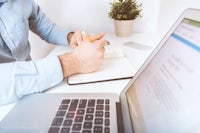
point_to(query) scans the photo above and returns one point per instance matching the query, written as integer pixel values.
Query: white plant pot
(123, 28)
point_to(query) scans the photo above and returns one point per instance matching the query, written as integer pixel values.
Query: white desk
(101, 87)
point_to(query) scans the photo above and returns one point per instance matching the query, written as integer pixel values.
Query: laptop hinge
(120, 123)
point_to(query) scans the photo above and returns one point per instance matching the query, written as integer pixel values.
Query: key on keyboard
(82, 115)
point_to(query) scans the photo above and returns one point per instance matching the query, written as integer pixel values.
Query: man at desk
(19, 75)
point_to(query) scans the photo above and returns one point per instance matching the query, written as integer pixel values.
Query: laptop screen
(166, 95)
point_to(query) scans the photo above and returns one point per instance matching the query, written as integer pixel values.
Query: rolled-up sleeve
(18, 79)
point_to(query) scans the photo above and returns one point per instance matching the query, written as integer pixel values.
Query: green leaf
(125, 10)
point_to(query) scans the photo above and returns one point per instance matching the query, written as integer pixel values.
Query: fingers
(79, 37)
(102, 43)
(76, 39)
(97, 36)
(92, 38)
(96, 39)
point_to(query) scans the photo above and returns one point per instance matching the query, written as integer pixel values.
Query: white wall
(89, 15)
(170, 11)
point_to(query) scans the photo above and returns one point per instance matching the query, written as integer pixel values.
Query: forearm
(22, 78)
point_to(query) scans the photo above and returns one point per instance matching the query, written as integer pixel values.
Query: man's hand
(85, 58)
(78, 36)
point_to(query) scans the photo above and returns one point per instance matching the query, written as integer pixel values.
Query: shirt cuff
(51, 70)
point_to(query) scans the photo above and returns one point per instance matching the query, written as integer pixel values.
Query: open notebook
(115, 66)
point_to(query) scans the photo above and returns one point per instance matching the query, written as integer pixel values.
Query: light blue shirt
(19, 75)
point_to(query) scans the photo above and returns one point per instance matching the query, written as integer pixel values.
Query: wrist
(68, 64)
(69, 36)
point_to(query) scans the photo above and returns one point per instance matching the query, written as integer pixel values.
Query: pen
(89, 38)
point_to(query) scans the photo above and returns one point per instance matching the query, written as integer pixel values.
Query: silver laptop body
(163, 96)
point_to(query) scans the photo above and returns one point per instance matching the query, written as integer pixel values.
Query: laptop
(162, 97)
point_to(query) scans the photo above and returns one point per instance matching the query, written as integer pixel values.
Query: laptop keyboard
(82, 116)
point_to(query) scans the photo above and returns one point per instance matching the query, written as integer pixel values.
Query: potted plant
(124, 12)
